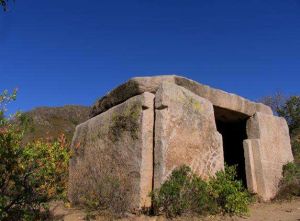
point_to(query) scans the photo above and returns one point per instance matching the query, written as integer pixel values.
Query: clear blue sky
(72, 52)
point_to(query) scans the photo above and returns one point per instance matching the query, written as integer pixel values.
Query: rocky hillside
(51, 122)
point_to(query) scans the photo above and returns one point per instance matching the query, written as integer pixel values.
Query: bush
(185, 192)
(182, 192)
(291, 112)
(295, 143)
(289, 185)
(31, 175)
(230, 194)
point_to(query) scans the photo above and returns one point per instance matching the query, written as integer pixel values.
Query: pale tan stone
(223, 99)
(185, 134)
(180, 130)
(255, 174)
(118, 145)
(129, 89)
(142, 84)
(267, 149)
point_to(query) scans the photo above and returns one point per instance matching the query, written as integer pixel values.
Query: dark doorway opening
(232, 126)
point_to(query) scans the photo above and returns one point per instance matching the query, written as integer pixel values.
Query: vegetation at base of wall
(289, 185)
(108, 194)
(230, 194)
(184, 192)
(31, 174)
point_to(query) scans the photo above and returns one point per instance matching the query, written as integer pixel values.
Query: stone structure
(140, 131)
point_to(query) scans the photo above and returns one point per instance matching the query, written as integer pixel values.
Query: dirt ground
(275, 211)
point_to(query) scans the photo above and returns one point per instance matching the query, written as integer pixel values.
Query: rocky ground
(274, 211)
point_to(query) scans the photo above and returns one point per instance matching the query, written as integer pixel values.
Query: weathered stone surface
(115, 146)
(223, 99)
(267, 149)
(126, 133)
(185, 133)
(129, 89)
(139, 85)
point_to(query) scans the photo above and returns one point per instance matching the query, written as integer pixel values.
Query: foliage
(4, 4)
(291, 172)
(295, 142)
(6, 98)
(26, 121)
(290, 184)
(229, 193)
(291, 112)
(31, 175)
(287, 107)
(275, 101)
(182, 192)
(185, 192)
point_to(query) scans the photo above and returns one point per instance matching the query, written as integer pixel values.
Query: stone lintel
(139, 85)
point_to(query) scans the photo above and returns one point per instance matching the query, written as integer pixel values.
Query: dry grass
(102, 188)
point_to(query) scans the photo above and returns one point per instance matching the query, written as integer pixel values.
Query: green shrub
(6, 98)
(230, 194)
(290, 183)
(31, 175)
(182, 192)
(185, 192)
(296, 148)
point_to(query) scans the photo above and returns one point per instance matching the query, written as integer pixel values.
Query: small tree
(291, 112)
(30, 175)
(275, 101)
(287, 107)
(6, 98)
(3, 3)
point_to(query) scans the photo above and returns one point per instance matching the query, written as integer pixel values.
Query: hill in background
(51, 122)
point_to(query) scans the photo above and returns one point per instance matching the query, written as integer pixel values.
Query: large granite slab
(140, 85)
(185, 134)
(115, 150)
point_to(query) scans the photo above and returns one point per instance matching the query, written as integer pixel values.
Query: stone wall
(185, 134)
(140, 131)
(116, 147)
(266, 150)
(140, 85)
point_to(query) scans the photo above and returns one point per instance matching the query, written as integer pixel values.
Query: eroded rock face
(139, 85)
(267, 149)
(185, 134)
(115, 149)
